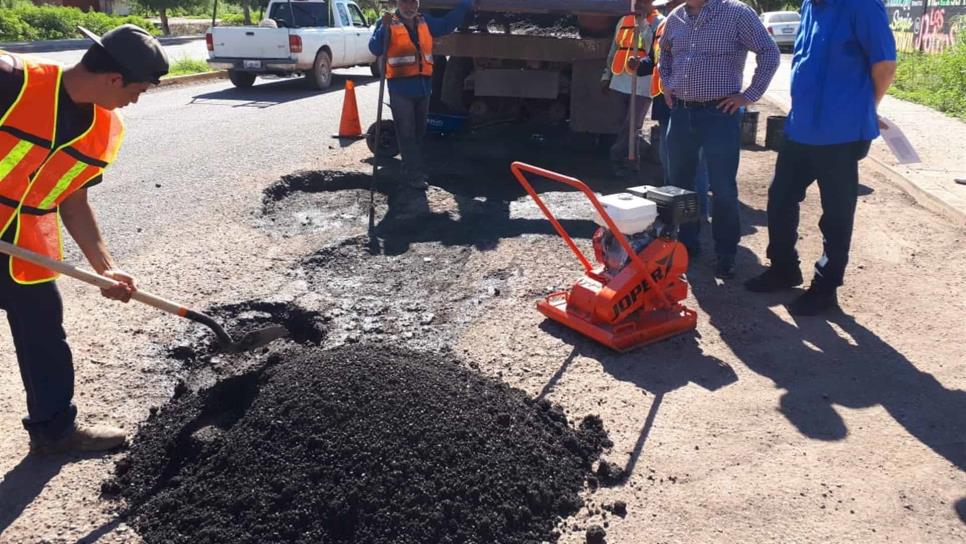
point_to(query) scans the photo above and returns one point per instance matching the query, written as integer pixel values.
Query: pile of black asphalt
(361, 443)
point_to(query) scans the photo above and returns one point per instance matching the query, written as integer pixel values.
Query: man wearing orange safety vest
(622, 66)
(409, 71)
(58, 132)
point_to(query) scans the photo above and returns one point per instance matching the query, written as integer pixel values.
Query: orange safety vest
(624, 38)
(403, 58)
(657, 86)
(35, 177)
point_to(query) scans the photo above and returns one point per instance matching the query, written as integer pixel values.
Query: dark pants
(716, 135)
(36, 316)
(836, 168)
(409, 115)
(620, 149)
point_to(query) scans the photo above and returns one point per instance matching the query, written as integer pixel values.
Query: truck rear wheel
(242, 80)
(321, 76)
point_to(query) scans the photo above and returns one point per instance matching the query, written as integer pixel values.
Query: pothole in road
(198, 346)
(358, 444)
(315, 200)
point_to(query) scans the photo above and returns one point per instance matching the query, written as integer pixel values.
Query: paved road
(194, 49)
(187, 146)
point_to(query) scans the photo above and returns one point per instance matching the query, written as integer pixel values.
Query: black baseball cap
(137, 52)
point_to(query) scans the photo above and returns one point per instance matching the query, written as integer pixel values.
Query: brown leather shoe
(83, 438)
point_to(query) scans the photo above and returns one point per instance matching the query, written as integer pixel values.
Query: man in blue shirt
(843, 64)
(409, 71)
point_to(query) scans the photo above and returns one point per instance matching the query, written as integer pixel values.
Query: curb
(48, 46)
(923, 197)
(192, 78)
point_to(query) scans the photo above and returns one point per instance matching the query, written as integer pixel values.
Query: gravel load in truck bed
(358, 444)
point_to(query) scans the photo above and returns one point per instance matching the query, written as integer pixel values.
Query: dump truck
(537, 59)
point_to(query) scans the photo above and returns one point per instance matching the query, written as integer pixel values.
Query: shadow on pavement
(659, 369)
(266, 95)
(822, 362)
(24, 482)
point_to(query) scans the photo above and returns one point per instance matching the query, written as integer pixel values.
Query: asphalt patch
(199, 345)
(357, 444)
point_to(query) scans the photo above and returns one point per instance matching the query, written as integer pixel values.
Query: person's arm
(883, 74)
(665, 62)
(441, 26)
(871, 26)
(78, 217)
(753, 36)
(377, 42)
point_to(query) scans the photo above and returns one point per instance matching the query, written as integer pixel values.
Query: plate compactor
(632, 296)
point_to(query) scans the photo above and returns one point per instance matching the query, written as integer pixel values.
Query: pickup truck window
(343, 15)
(358, 19)
(307, 14)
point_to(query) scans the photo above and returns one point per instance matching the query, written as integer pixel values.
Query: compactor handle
(518, 168)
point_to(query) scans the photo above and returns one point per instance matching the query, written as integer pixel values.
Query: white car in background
(782, 26)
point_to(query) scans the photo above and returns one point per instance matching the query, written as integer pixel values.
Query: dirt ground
(758, 427)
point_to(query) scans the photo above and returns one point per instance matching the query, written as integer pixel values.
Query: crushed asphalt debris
(356, 444)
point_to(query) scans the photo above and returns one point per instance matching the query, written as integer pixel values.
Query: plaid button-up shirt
(703, 57)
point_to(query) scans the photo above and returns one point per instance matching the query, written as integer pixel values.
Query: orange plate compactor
(632, 296)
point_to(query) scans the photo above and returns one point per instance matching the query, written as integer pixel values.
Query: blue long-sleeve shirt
(419, 86)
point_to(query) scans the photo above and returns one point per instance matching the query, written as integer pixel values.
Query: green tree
(161, 7)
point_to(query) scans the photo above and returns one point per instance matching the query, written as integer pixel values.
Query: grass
(185, 66)
(934, 80)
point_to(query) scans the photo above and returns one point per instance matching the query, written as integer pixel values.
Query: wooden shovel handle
(87, 276)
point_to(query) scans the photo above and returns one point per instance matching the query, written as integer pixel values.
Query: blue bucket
(445, 124)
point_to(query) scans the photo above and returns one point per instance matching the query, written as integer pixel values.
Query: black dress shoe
(724, 267)
(775, 279)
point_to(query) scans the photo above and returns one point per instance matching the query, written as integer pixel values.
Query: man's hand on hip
(125, 287)
(669, 98)
(732, 103)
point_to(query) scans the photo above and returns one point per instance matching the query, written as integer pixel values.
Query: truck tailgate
(250, 42)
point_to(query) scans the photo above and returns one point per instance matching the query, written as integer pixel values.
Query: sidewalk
(939, 140)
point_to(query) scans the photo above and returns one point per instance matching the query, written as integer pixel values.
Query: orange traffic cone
(349, 126)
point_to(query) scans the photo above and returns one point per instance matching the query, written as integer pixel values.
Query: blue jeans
(701, 178)
(708, 130)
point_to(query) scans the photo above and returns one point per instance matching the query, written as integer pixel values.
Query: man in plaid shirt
(702, 61)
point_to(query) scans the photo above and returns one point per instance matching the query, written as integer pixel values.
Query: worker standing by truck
(409, 71)
(58, 132)
(622, 66)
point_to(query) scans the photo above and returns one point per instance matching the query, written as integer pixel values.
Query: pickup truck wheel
(242, 80)
(321, 76)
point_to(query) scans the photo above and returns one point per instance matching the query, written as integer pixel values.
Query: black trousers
(36, 316)
(836, 168)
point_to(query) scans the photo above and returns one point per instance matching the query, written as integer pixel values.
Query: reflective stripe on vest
(35, 177)
(404, 59)
(624, 38)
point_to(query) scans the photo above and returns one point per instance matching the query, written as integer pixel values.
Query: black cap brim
(90, 35)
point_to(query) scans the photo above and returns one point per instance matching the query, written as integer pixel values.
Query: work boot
(82, 438)
(816, 300)
(724, 267)
(775, 279)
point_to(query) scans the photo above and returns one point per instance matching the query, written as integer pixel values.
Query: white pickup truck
(309, 37)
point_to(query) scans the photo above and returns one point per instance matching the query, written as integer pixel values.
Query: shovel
(251, 340)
